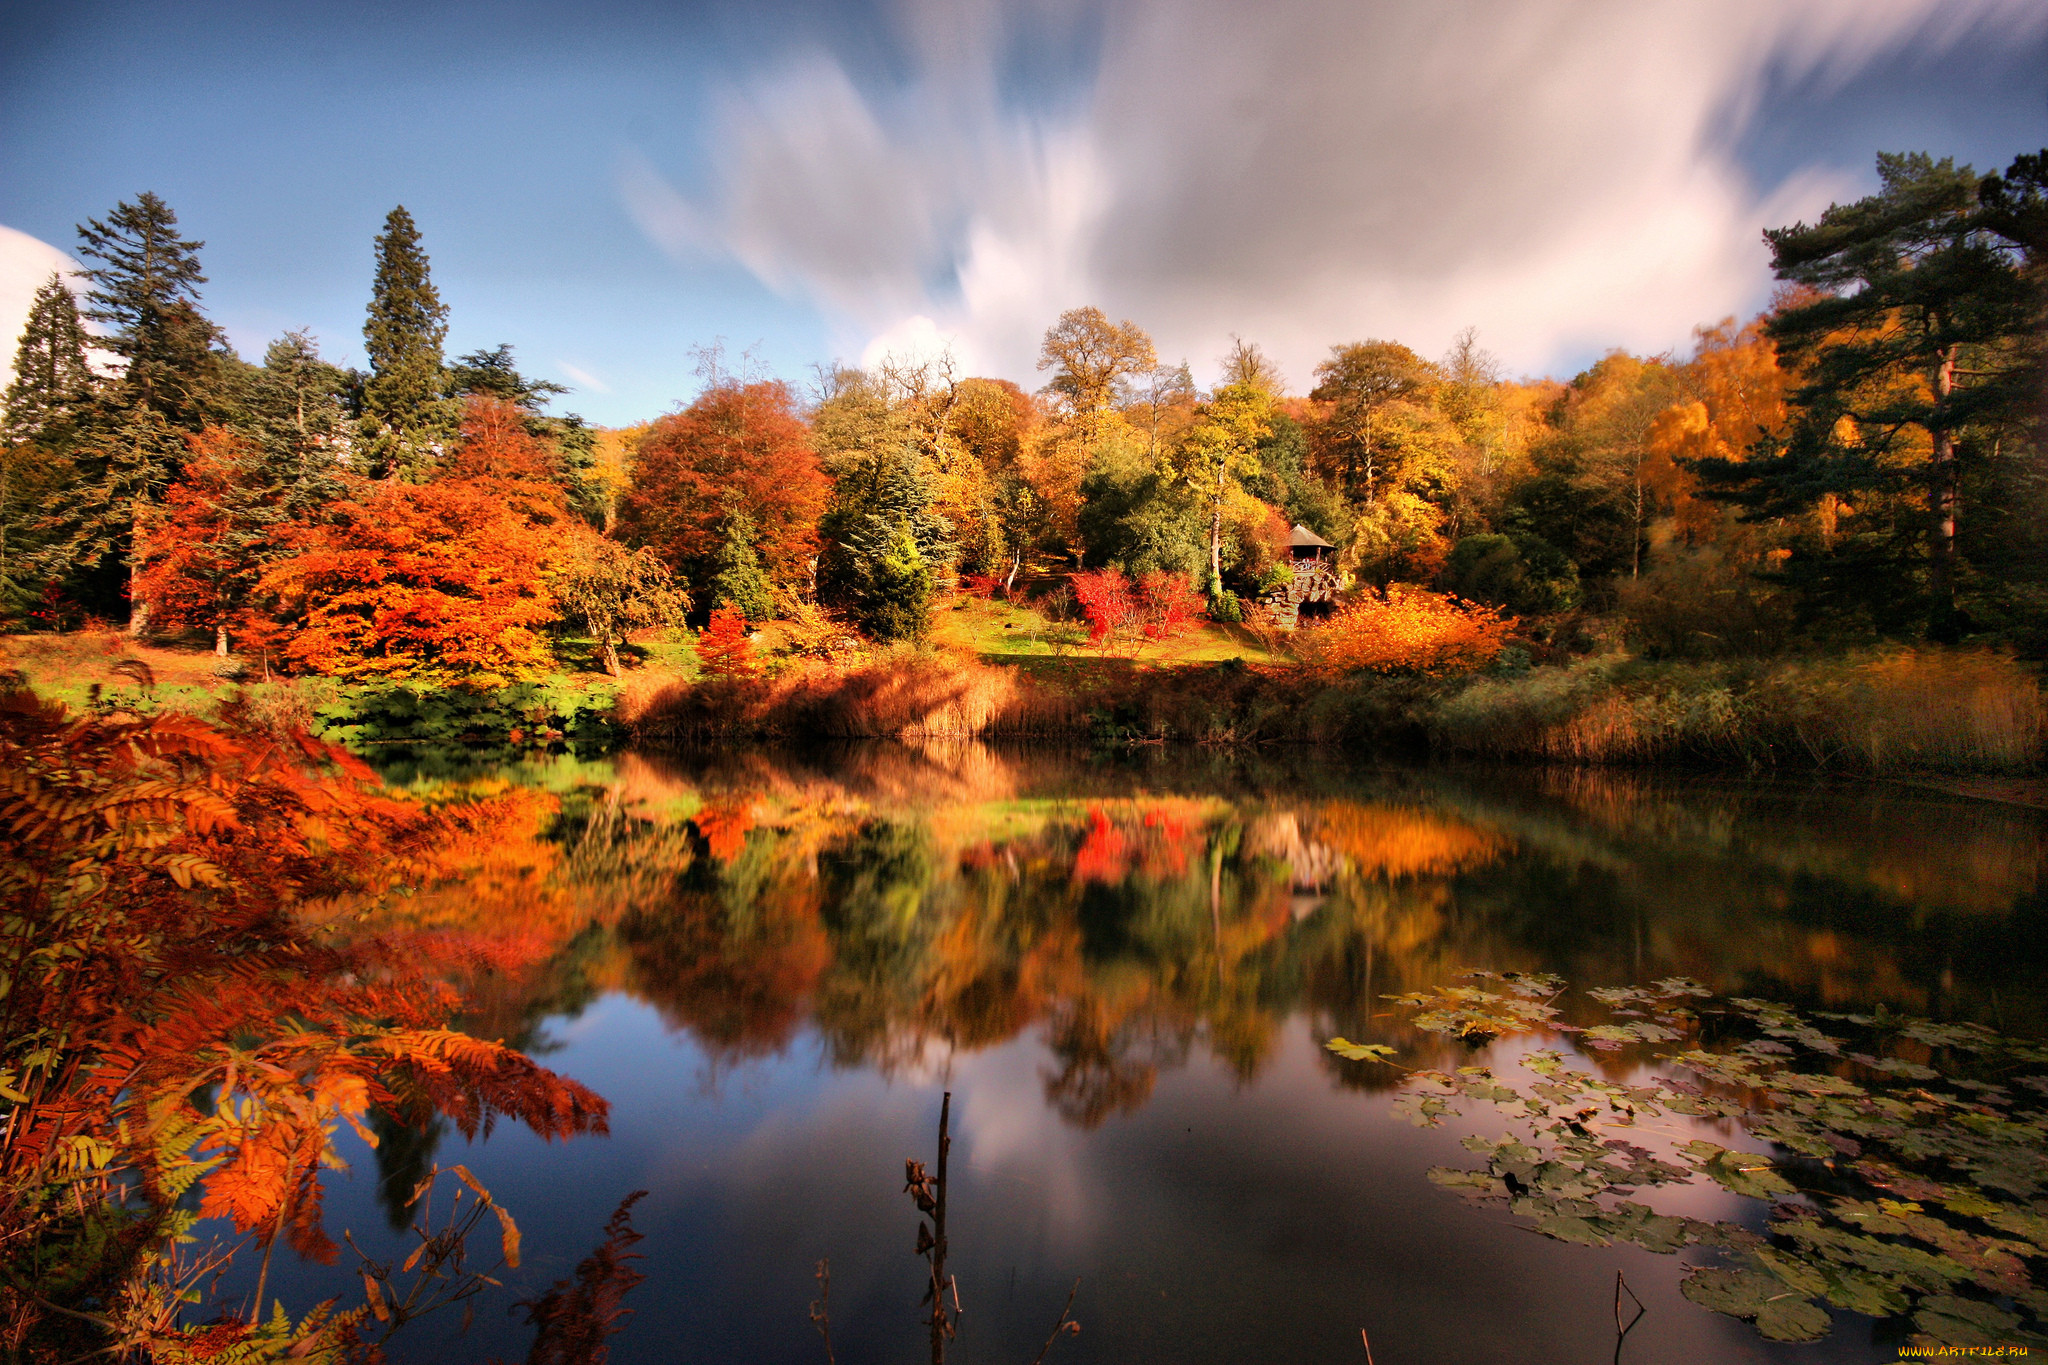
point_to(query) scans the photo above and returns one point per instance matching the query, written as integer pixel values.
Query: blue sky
(606, 186)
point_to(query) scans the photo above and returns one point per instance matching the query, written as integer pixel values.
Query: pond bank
(1898, 711)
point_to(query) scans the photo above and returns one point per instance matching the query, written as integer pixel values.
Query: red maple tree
(738, 446)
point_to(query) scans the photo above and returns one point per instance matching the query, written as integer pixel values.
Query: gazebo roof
(1302, 536)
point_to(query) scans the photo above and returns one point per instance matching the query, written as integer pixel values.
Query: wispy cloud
(1563, 176)
(583, 378)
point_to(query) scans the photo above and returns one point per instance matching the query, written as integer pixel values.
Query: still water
(1124, 970)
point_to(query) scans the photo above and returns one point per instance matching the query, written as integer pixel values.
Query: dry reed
(1900, 710)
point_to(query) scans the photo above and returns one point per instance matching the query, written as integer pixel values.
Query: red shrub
(1169, 604)
(1107, 601)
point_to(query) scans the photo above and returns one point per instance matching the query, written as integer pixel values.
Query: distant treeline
(1863, 461)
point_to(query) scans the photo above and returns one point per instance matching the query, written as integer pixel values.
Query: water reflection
(907, 904)
(1127, 967)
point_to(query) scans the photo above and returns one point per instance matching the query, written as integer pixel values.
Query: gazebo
(1303, 543)
(1314, 586)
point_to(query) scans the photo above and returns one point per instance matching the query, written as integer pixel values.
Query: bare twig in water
(1368, 1345)
(1621, 1332)
(929, 1194)
(821, 1309)
(1065, 1324)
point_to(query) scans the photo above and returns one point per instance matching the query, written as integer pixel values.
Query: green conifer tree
(146, 290)
(739, 579)
(45, 406)
(404, 404)
(175, 378)
(297, 411)
(53, 385)
(1910, 344)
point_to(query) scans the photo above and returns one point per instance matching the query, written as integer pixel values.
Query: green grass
(1011, 633)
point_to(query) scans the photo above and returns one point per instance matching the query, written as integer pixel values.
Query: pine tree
(1906, 339)
(297, 410)
(53, 384)
(403, 334)
(146, 289)
(885, 546)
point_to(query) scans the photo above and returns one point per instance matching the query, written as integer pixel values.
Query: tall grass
(1899, 710)
(907, 695)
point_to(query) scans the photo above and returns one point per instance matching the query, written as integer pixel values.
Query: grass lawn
(1009, 633)
(67, 667)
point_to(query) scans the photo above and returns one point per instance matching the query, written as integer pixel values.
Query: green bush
(1522, 572)
(522, 715)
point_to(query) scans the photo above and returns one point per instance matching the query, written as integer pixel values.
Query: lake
(1124, 969)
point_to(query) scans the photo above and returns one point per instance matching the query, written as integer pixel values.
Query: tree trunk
(1010, 581)
(1942, 499)
(1216, 540)
(220, 641)
(611, 657)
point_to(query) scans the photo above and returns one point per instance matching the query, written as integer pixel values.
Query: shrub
(1406, 630)
(723, 650)
(1224, 606)
(1168, 603)
(1107, 602)
(1703, 604)
(1523, 573)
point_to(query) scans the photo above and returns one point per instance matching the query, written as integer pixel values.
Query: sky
(611, 186)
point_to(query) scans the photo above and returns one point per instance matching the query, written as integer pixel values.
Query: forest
(229, 948)
(1859, 468)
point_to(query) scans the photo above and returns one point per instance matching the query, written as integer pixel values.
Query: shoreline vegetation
(1812, 544)
(1876, 712)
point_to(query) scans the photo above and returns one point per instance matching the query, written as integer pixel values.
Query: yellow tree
(1219, 448)
(1093, 359)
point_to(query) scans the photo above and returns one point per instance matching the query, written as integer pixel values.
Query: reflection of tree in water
(1130, 927)
(405, 1153)
(1106, 1066)
(733, 951)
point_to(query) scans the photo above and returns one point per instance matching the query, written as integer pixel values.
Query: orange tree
(175, 1039)
(739, 447)
(199, 554)
(1406, 629)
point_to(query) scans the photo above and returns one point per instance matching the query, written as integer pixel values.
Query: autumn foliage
(1107, 601)
(1406, 629)
(198, 563)
(723, 650)
(172, 1032)
(739, 446)
(439, 582)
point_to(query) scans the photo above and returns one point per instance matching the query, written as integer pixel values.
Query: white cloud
(583, 378)
(25, 263)
(1560, 175)
(916, 340)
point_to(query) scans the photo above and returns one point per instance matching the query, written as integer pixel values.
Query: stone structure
(1315, 579)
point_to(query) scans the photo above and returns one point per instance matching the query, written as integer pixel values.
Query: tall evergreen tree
(297, 410)
(53, 384)
(175, 375)
(1906, 338)
(146, 290)
(403, 335)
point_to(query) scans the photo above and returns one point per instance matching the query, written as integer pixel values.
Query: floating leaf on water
(1360, 1052)
(1954, 1321)
(1791, 1318)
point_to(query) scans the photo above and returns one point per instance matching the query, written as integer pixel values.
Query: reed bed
(1891, 711)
